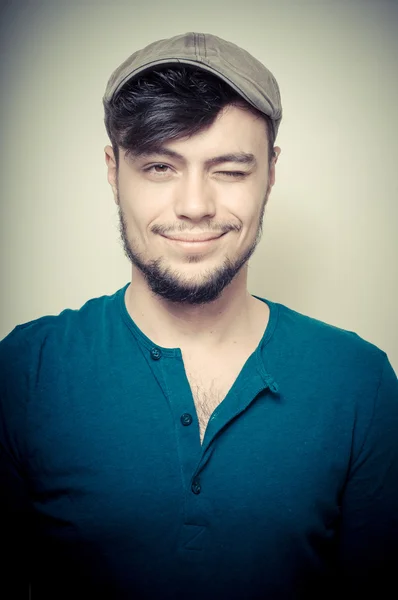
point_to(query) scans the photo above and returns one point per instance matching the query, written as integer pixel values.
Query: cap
(244, 73)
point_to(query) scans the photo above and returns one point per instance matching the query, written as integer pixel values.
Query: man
(184, 438)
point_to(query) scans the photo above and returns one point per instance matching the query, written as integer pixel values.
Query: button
(155, 354)
(186, 419)
(196, 486)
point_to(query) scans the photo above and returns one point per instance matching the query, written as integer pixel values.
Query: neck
(216, 324)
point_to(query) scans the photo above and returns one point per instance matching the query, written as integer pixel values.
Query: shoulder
(322, 351)
(27, 340)
(41, 361)
(333, 375)
(315, 334)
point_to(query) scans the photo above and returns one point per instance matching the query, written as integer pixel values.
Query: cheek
(245, 201)
(136, 208)
(247, 210)
(141, 202)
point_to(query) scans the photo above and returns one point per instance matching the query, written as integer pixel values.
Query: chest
(210, 382)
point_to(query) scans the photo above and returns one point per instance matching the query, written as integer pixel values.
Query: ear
(112, 170)
(274, 160)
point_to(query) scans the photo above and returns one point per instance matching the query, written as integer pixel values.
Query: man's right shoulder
(57, 329)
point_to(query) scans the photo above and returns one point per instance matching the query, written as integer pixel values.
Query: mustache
(218, 228)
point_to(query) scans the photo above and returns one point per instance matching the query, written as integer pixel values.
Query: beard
(169, 284)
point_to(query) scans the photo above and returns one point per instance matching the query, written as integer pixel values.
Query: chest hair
(208, 390)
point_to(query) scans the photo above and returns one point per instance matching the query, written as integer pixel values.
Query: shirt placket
(194, 457)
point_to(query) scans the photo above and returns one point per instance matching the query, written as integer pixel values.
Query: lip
(194, 244)
(197, 239)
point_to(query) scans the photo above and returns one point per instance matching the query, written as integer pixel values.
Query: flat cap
(234, 65)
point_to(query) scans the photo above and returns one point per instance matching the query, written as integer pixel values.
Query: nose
(194, 198)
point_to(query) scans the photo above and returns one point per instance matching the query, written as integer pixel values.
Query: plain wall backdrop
(330, 241)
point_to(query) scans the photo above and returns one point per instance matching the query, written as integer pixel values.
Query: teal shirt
(107, 490)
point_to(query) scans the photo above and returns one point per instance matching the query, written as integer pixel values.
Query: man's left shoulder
(327, 346)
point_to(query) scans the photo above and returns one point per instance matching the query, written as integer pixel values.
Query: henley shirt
(107, 491)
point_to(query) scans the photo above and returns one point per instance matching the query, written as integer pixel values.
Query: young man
(184, 438)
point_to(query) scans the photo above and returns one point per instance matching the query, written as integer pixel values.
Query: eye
(159, 169)
(235, 174)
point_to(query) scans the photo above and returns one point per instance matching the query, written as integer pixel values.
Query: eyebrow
(243, 158)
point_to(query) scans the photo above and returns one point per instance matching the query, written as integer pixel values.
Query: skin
(162, 195)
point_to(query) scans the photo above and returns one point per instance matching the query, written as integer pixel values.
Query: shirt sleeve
(368, 537)
(14, 503)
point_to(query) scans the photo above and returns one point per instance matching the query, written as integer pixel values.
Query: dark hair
(170, 103)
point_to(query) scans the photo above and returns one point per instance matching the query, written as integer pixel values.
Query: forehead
(235, 131)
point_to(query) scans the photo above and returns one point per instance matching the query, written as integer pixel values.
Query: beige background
(330, 241)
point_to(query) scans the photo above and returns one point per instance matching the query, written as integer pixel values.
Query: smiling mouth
(198, 239)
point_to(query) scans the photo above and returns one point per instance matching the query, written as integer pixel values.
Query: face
(191, 214)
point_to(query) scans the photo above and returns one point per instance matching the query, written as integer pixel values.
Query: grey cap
(244, 73)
